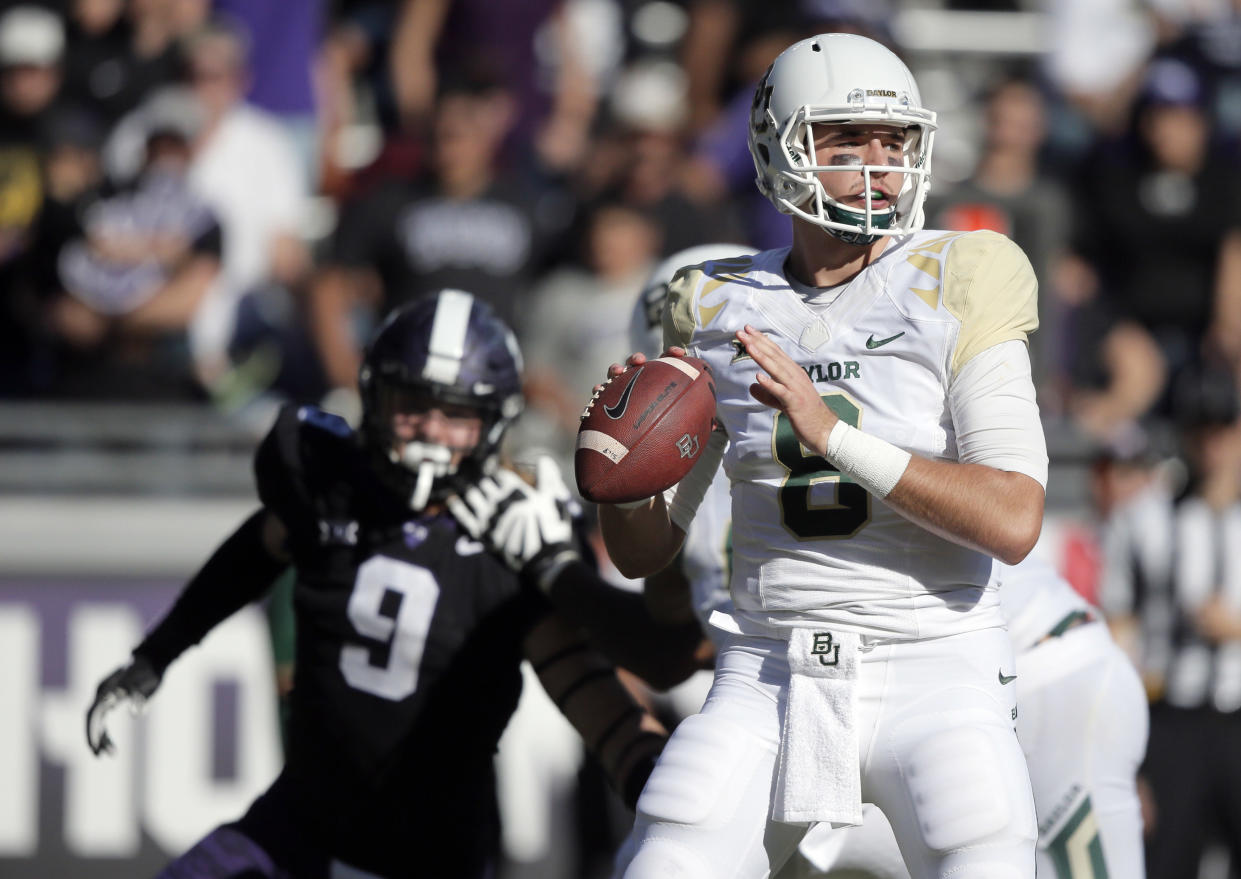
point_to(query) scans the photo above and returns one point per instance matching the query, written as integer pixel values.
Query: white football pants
(1082, 724)
(937, 753)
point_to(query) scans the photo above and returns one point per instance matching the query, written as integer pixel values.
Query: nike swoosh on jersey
(465, 546)
(872, 342)
(617, 411)
(1006, 679)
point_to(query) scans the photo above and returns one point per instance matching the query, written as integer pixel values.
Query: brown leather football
(644, 431)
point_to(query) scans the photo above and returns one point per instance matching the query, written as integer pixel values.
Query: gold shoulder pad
(990, 287)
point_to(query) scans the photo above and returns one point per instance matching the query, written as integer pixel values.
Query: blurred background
(206, 206)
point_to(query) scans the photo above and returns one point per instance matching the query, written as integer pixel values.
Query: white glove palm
(531, 527)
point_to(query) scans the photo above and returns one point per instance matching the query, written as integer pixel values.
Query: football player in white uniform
(1082, 724)
(1083, 714)
(697, 583)
(879, 430)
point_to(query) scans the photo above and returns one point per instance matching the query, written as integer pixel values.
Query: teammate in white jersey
(1082, 722)
(879, 430)
(1082, 725)
(697, 583)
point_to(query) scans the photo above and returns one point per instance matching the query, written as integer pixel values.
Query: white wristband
(633, 505)
(872, 463)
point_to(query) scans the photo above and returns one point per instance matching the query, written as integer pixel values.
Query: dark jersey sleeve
(305, 455)
(291, 463)
(239, 571)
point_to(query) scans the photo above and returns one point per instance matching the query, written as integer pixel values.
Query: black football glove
(129, 685)
(529, 526)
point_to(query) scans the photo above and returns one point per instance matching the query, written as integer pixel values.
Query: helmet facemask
(451, 354)
(815, 83)
(429, 470)
(801, 192)
(431, 463)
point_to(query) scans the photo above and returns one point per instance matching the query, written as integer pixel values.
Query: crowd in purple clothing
(215, 201)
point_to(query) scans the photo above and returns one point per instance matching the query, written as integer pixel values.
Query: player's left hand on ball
(129, 685)
(618, 369)
(635, 359)
(530, 526)
(785, 386)
(614, 371)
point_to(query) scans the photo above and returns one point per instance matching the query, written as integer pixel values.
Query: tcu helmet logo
(823, 648)
(688, 445)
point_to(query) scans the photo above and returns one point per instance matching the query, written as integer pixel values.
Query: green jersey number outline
(806, 521)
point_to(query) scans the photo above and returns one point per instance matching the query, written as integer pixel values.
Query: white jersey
(811, 548)
(705, 557)
(1035, 600)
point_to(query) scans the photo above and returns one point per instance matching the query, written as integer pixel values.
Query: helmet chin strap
(429, 462)
(850, 216)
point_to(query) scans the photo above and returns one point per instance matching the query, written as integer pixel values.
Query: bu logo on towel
(823, 648)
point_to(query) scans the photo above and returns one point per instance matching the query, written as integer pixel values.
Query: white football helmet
(646, 322)
(839, 78)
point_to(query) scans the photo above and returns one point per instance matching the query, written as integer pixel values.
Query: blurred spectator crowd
(216, 200)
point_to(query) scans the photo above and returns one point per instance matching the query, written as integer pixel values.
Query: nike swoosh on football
(617, 411)
(1006, 679)
(872, 342)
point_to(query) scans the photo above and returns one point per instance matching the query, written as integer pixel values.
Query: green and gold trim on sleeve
(693, 285)
(989, 286)
(679, 310)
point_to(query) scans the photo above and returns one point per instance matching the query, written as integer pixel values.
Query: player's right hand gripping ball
(644, 430)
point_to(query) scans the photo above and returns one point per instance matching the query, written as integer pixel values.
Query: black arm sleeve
(619, 624)
(238, 572)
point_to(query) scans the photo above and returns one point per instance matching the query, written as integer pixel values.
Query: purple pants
(277, 839)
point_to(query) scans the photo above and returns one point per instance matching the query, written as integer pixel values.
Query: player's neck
(818, 259)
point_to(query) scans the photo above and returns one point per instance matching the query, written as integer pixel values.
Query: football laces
(599, 389)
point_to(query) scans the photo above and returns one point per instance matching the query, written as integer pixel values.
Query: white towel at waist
(818, 776)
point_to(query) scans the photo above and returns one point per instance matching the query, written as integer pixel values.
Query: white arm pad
(684, 498)
(995, 412)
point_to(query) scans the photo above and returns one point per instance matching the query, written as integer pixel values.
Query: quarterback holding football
(877, 423)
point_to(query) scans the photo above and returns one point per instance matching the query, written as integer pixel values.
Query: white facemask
(430, 462)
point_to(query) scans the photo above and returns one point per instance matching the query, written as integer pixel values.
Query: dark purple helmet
(452, 347)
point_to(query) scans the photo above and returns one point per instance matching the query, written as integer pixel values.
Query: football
(644, 430)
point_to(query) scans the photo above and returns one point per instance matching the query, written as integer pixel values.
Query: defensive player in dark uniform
(410, 636)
